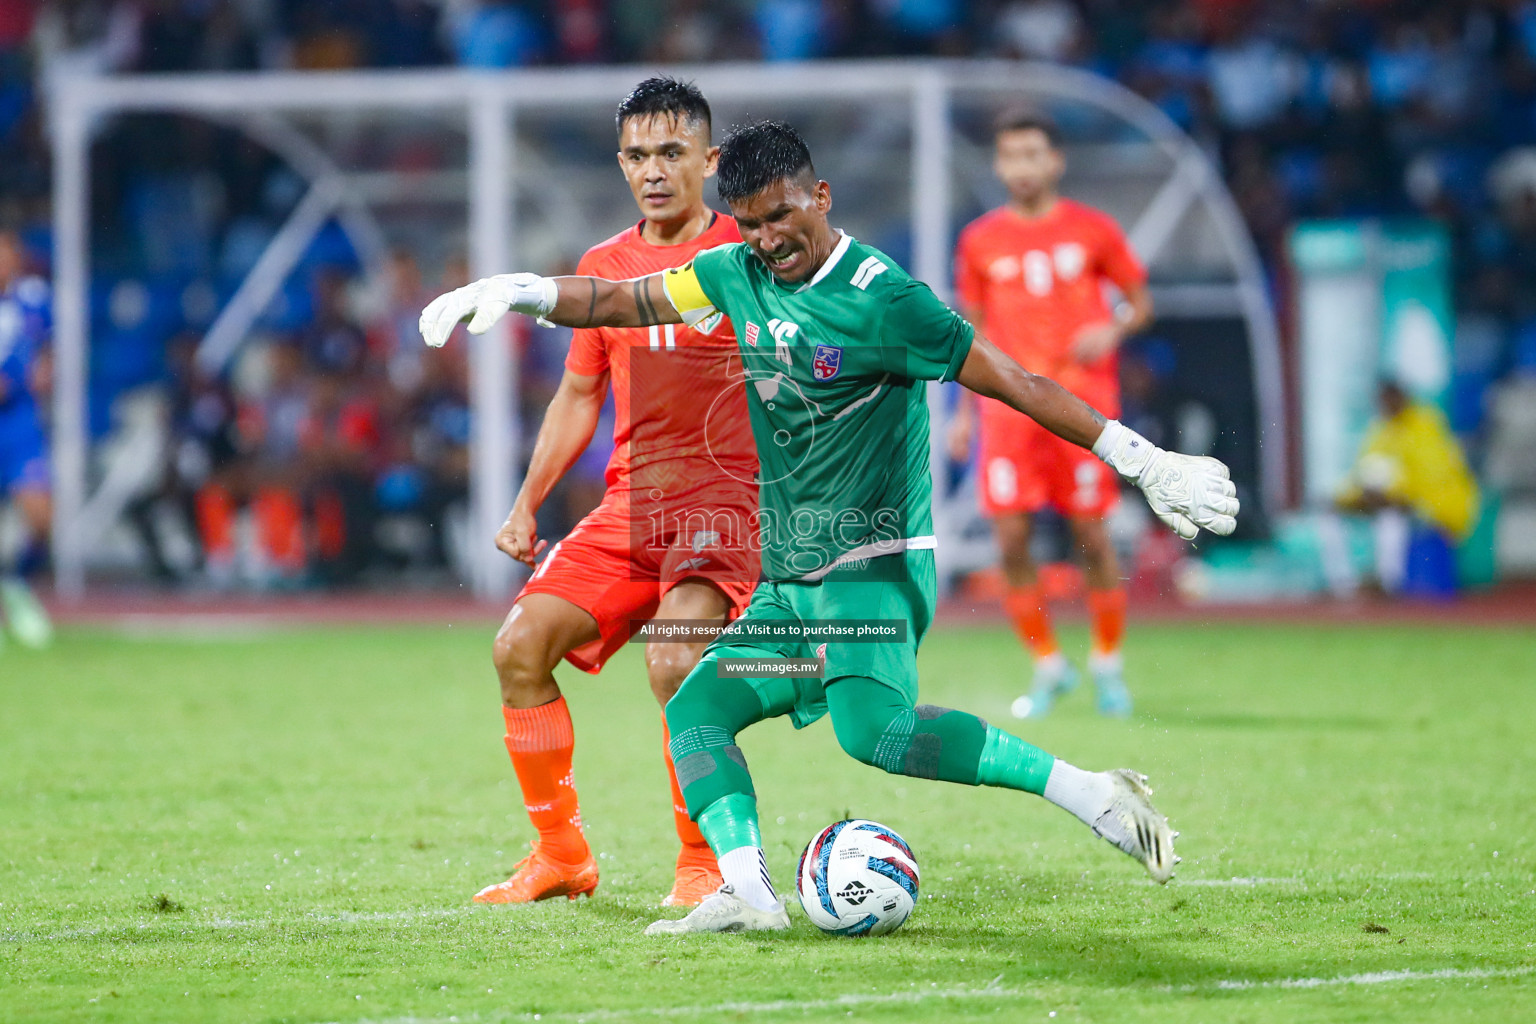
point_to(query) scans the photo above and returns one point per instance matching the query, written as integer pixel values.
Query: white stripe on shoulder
(867, 272)
(832, 260)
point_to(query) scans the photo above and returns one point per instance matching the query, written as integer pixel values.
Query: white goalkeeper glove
(1185, 491)
(484, 302)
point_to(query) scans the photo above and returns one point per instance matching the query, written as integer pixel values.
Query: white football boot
(724, 911)
(1136, 827)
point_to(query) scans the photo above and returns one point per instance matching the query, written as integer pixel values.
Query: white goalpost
(1178, 211)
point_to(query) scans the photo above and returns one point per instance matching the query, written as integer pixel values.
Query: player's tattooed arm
(596, 302)
(991, 373)
(568, 301)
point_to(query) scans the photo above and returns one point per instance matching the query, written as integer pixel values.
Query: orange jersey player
(1031, 275)
(670, 538)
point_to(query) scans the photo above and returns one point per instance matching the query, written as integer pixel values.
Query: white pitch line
(235, 924)
(1372, 978)
(843, 1002)
(992, 991)
(1237, 883)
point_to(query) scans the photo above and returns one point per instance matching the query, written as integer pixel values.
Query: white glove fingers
(1223, 506)
(428, 324)
(1222, 526)
(443, 313)
(486, 315)
(1180, 524)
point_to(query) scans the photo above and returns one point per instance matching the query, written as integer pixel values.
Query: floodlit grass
(287, 826)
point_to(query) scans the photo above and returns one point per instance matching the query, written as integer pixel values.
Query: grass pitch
(287, 826)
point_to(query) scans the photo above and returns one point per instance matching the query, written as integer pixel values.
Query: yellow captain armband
(687, 296)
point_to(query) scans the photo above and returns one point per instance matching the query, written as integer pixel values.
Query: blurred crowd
(329, 451)
(1310, 107)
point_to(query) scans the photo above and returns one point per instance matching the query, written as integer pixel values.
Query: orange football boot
(536, 878)
(698, 876)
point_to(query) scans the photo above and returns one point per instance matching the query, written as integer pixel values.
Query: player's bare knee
(521, 655)
(668, 665)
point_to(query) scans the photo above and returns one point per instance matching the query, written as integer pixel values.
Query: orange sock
(1026, 610)
(280, 527)
(1106, 609)
(330, 526)
(694, 843)
(216, 523)
(540, 741)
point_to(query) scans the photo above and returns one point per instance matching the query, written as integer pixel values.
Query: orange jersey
(680, 406)
(1036, 282)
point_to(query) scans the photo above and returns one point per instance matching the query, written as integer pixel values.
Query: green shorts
(856, 593)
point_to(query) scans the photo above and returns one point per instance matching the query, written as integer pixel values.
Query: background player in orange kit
(1030, 275)
(670, 538)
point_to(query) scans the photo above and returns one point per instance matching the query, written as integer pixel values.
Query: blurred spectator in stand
(1260, 195)
(581, 31)
(1413, 481)
(923, 27)
(201, 450)
(393, 337)
(690, 31)
(339, 455)
(176, 35)
(497, 34)
(1252, 78)
(327, 35)
(340, 437)
(1148, 403)
(1511, 240)
(332, 340)
(268, 429)
(1040, 30)
(1171, 67)
(792, 29)
(406, 34)
(429, 474)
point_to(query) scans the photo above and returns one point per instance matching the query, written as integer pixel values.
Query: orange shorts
(617, 566)
(1023, 467)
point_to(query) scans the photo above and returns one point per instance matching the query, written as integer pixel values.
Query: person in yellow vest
(1410, 477)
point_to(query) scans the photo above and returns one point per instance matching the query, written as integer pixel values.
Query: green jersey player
(837, 343)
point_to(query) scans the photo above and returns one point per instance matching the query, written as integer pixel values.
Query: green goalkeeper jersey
(835, 370)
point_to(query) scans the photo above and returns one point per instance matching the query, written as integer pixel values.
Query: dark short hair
(1026, 119)
(754, 156)
(664, 94)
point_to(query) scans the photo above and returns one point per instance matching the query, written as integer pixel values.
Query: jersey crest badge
(826, 362)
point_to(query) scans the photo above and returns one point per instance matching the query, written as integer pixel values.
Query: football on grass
(857, 877)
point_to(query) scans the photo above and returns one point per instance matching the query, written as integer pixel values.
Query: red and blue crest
(826, 362)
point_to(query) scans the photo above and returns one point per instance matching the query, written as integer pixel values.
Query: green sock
(731, 823)
(1008, 761)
